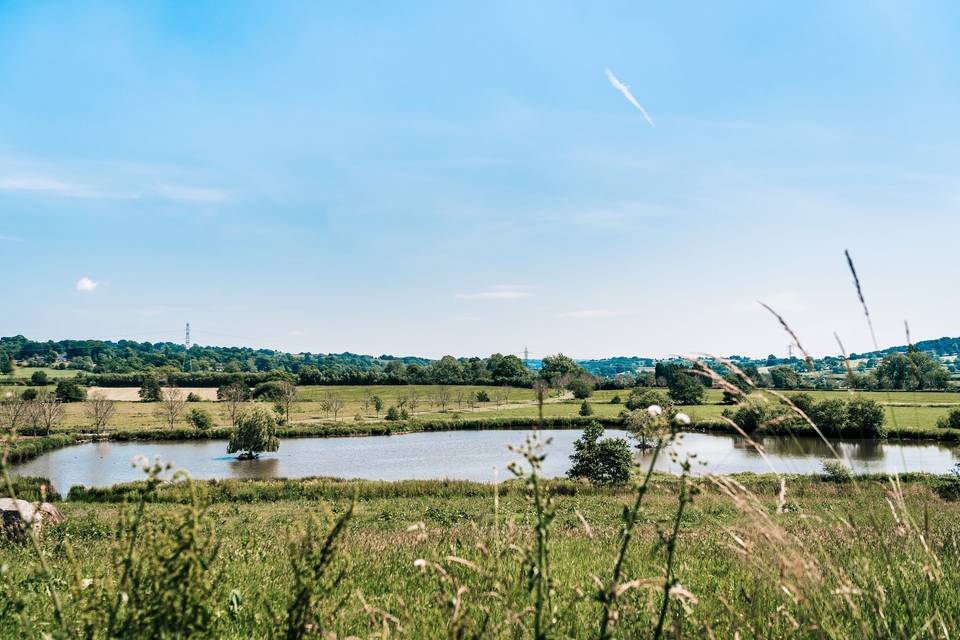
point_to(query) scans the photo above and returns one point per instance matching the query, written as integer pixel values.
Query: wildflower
(654, 410)
(86, 582)
(420, 563)
(682, 418)
(140, 461)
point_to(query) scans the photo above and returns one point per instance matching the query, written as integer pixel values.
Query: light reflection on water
(465, 455)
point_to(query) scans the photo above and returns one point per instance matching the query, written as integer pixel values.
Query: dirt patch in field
(132, 394)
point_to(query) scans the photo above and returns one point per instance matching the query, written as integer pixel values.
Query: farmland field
(905, 409)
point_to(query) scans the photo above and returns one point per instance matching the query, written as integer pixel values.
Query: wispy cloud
(497, 292)
(196, 195)
(132, 186)
(51, 186)
(625, 90)
(86, 284)
(591, 314)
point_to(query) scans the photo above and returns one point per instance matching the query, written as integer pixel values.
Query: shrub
(749, 416)
(29, 394)
(267, 391)
(393, 413)
(829, 415)
(865, 418)
(70, 391)
(950, 421)
(150, 390)
(192, 397)
(642, 398)
(200, 419)
(603, 462)
(581, 389)
(804, 402)
(483, 396)
(39, 378)
(615, 400)
(255, 432)
(586, 409)
(836, 471)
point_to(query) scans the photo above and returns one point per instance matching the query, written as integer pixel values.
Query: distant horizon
(532, 356)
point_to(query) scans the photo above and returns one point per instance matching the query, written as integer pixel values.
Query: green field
(741, 568)
(905, 410)
(26, 372)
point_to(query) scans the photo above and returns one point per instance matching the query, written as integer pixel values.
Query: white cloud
(86, 284)
(625, 90)
(196, 195)
(52, 186)
(498, 292)
(589, 314)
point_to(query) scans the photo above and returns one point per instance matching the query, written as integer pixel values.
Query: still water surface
(462, 455)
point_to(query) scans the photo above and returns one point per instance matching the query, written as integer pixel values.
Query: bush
(192, 397)
(642, 398)
(39, 378)
(804, 402)
(29, 394)
(393, 413)
(267, 391)
(603, 462)
(615, 400)
(836, 471)
(950, 421)
(581, 389)
(865, 418)
(586, 409)
(749, 416)
(70, 391)
(829, 415)
(483, 396)
(150, 390)
(200, 419)
(685, 389)
(255, 432)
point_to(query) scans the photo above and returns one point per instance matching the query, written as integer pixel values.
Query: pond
(462, 455)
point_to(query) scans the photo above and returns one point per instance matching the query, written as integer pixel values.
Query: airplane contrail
(625, 90)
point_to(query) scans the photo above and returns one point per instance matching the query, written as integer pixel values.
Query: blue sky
(431, 178)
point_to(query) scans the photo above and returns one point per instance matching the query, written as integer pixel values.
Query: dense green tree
(70, 391)
(150, 389)
(40, 378)
(581, 388)
(559, 366)
(509, 370)
(602, 462)
(200, 419)
(446, 370)
(865, 418)
(586, 409)
(256, 432)
(830, 416)
(686, 389)
(7, 365)
(914, 370)
(784, 377)
(641, 398)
